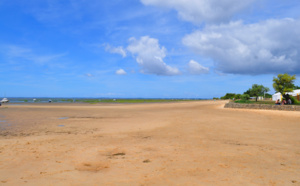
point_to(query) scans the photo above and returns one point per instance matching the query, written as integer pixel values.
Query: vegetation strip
(283, 84)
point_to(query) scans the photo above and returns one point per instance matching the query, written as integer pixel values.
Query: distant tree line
(283, 83)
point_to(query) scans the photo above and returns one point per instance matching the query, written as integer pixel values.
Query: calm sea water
(72, 100)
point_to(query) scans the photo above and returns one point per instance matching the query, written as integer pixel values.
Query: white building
(295, 93)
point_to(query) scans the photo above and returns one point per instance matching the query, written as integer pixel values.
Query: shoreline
(99, 103)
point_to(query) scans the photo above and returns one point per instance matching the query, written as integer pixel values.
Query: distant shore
(100, 100)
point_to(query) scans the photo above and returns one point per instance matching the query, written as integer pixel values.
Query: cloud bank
(149, 55)
(198, 11)
(271, 46)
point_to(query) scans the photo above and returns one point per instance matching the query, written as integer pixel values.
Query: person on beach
(283, 102)
(277, 102)
(289, 101)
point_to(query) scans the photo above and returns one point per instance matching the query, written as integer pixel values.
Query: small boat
(4, 100)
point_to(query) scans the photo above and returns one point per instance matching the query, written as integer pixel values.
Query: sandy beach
(185, 143)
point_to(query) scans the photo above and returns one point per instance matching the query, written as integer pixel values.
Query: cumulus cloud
(121, 72)
(197, 11)
(116, 50)
(149, 55)
(271, 46)
(195, 68)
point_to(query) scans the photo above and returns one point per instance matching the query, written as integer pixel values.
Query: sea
(86, 99)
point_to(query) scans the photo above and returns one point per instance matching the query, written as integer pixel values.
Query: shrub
(228, 96)
(237, 96)
(268, 95)
(245, 97)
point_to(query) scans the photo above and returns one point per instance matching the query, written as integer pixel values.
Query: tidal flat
(177, 143)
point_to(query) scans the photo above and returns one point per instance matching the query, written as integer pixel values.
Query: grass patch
(244, 101)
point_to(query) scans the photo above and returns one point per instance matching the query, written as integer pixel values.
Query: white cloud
(271, 46)
(121, 72)
(195, 68)
(197, 11)
(17, 52)
(149, 55)
(116, 50)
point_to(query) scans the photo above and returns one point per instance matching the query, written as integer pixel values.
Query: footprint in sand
(91, 160)
(146, 161)
(96, 160)
(92, 166)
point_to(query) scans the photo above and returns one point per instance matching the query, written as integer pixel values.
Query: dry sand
(188, 143)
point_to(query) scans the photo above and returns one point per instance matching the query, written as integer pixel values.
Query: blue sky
(145, 48)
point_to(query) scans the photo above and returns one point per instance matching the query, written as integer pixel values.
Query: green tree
(247, 92)
(237, 96)
(296, 87)
(284, 83)
(228, 96)
(257, 90)
(245, 97)
(268, 95)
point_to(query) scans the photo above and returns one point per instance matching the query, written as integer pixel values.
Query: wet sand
(188, 143)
